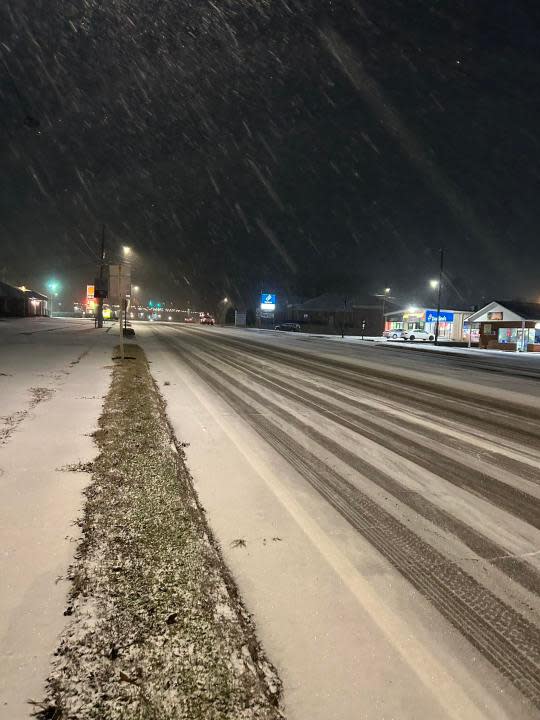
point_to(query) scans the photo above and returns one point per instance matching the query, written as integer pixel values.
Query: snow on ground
(156, 626)
(349, 636)
(470, 351)
(463, 371)
(53, 375)
(419, 345)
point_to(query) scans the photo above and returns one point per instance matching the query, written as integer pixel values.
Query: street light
(222, 308)
(53, 286)
(439, 286)
(126, 249)
(385, 295)
(434, 284)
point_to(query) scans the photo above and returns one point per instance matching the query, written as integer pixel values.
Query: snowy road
(380, 510)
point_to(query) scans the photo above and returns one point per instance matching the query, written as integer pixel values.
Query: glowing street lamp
(433, 284)
(126, 250)
(385, 295)
(53, 286)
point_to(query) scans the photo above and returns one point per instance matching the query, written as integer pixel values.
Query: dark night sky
(303, 145)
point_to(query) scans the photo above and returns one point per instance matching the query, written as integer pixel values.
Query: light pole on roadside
(126, 253)
(385, 295)
(100, 283)
(120, 287)
(53, 286)
(224, 302)
(343, 319)
(441, 267)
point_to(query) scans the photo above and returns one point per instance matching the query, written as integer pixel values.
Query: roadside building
(21, 302)
(329, 312)
(508, 325)
(451, 322)
(11, 300)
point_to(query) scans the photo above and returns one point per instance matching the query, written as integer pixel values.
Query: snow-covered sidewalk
(53, 375)
(456, 349)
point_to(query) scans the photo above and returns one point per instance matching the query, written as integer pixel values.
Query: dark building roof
(11, 291)
(335, 302)
(36, 295)
(525, 310)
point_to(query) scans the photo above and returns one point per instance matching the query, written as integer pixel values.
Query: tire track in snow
(499, 493)
(521, 461)
(517, 569)
(493, 415)
(526, 470)
(502, 635)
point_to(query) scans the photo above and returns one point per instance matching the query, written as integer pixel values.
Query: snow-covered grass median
(156, 626)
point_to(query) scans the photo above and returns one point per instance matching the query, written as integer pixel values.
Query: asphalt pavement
(414, 476)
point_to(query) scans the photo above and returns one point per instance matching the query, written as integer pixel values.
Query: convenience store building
(451, 322)
(508, 325)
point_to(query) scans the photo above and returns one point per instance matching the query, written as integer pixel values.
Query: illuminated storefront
(451, 322)
(508, 325)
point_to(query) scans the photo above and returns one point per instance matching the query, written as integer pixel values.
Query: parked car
(394, 334)
(207, 320)
(418, 335)
(288, 327)
(188, 319)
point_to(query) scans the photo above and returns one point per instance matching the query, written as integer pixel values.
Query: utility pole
(120, 308)
(100, 289)
(441, 251)
(385, 295)
(126, 307)
(343, 319)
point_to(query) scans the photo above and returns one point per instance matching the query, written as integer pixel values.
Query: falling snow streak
(365, 134)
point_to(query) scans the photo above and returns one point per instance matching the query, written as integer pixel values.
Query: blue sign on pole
(268, 301)
(444, 316)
